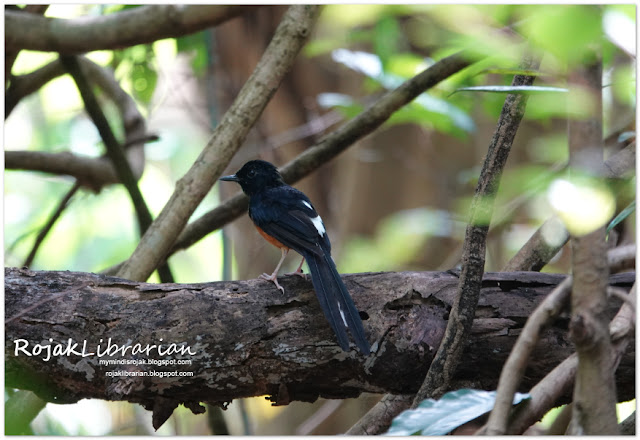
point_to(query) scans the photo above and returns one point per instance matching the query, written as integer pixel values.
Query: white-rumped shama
(286, 218)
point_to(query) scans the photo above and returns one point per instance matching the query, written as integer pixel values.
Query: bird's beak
(230, 178)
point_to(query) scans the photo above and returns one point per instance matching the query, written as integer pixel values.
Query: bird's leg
(274, 276)
(298, 270)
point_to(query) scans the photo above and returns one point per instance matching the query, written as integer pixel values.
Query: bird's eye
(251, 173)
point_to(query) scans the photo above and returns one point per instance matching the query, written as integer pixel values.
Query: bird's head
(255, 175)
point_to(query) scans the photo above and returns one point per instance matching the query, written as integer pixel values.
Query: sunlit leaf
(439, 417)
(583, 204)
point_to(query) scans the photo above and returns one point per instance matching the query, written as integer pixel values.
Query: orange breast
(271, 240)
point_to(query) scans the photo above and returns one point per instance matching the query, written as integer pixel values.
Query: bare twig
(292, 33)
(144, 24)
(49, 225)
(114, 151)
(515, 366)
(546, 392)
(450, 350)
(378, 419)
(325, 411)
(622, 257)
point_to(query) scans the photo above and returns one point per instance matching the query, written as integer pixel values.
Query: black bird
(286, 218)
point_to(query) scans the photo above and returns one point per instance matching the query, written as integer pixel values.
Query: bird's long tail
(336, 303)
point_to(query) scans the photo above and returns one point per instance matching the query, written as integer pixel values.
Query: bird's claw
(274, 279)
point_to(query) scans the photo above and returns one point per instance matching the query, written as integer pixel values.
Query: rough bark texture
(251, 340)
(450, 351)
(594, 397)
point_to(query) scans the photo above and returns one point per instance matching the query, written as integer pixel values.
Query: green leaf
(626, 212)
(385, 38)
(439, 417)
(143, 80)
(513, 89)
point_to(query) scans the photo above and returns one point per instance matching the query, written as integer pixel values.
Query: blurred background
(396, 200)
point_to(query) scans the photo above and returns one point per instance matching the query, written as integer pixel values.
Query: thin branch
(290, 36)
(622, 257)
(24, 85)
(378, 419)
(450, 350)
(49, 225)
(318, 417)
(546, 393)
(144, 24)
(330, 146)
(516, 364)
(114, 151)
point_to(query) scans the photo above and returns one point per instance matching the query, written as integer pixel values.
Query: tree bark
(248, 339)
(144, 24)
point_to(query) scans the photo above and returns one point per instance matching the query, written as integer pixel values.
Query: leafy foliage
(439, 417)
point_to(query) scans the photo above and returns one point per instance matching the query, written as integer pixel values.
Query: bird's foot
(273, 278)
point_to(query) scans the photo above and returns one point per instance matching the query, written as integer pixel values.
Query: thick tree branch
(292, 33)
(144, 24)
(455, 340)
(11, 55)
(248, 339)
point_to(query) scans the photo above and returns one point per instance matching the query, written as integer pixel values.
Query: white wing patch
(317, 222)
(307, 204)
(342, 315)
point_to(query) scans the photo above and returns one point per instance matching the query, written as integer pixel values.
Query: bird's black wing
(287, 215)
